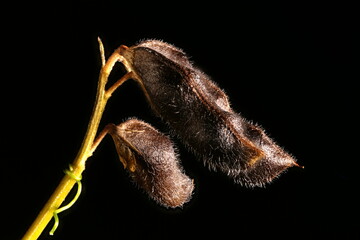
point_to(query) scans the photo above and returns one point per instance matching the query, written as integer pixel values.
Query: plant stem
(84, 153)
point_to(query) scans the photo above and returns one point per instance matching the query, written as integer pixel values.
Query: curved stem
(84, 153)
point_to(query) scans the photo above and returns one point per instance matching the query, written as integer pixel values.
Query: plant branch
(85, 151)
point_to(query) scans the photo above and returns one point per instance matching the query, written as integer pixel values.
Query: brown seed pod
(199, 113)
(150, 158)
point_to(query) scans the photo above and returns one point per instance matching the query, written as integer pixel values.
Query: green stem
(85, 152)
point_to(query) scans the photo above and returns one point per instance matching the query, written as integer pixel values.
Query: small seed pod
(199, 113)
(150, 158)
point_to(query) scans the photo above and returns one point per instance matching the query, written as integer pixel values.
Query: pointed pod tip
(297, 165)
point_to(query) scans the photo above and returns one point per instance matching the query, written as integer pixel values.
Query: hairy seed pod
(199, 113)
(150, 158)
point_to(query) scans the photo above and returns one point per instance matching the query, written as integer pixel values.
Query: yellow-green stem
(85, 152)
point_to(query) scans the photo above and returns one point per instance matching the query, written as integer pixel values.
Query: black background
(286, 67)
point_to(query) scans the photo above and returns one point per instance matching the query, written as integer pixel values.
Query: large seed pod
(199, 113)
(150, 158)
